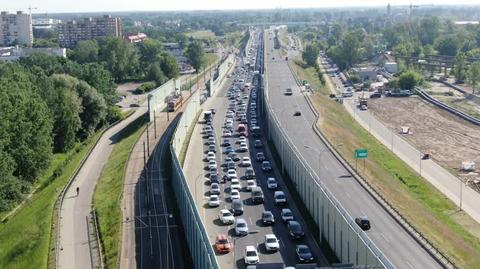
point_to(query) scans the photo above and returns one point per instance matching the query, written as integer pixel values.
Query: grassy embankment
(434, 215)
(25, 236)
(109, 189)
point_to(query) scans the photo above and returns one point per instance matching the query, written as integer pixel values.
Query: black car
(363, 222)
(304, 254)
(237, 207)
(295, 230)
(268, 218)
(249, 173)
(214, 178)
(297, 113)
(258, 143)
(288, 91)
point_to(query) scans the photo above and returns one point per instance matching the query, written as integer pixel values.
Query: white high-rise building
(15, 29)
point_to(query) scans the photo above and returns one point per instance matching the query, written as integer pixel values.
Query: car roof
(302, 246)
(241, 220)
(250, 248)
(286, 209)
(293, 222)
(278, 192)
(270, 236)
(224, 210)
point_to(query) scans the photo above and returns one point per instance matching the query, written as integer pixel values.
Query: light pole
(320, 153)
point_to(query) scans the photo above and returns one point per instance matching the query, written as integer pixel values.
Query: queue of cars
(240, 150)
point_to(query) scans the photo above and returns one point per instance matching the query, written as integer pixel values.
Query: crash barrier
(197, 238)
(450, 109)
(336, 226)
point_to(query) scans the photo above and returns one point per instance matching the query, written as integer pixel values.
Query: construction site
(448, 139)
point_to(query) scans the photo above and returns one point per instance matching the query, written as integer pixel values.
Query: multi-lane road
(199, 186)
(399, 247)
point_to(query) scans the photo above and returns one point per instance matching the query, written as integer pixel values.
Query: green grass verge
(108, 192)
(428, 210)
(210, 58)
(232, 39)
(25, 236)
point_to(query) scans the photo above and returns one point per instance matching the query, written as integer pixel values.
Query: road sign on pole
(361, 153)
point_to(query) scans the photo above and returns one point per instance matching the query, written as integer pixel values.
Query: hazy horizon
(58, 6)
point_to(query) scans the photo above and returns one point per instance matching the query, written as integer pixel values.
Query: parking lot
(232, 147)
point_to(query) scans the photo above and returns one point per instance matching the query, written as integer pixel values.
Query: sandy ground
(449, 139)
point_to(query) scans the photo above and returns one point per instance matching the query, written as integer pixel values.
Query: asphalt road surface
(399, 247)
(252, 213)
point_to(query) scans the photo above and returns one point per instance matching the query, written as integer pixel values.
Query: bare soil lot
(448, 138)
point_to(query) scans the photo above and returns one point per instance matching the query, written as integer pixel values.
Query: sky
(53, 6)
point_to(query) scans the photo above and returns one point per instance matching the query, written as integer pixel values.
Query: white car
(242, 140)
(231, 174)
(214, 188)
(251, 255)
(271, 242)
(212, 163)
(211, 140)
(226, 217)
(287, 215)
(214, 201)
(246, 162)
(210, 156)
(241, 227)
(235, 185)
(272, 183)
(280, 198)
(227, 133)
(250, 184)
(243, 148)
(234, 194)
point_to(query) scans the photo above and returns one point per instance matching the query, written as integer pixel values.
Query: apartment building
(15, 29)
(71, 32)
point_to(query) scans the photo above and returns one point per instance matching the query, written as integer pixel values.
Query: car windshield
(241, 225)
(271, 240)
(287, 213)
(295, 227)
(251, 253)
(280, 196)
(227, 214)
(303, 250)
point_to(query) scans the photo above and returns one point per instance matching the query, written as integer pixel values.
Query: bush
(146, 87)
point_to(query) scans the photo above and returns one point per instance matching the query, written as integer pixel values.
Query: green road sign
(361, 153)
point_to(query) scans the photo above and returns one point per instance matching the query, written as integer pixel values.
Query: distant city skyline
(57, 6)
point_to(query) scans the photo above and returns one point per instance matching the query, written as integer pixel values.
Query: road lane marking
(409, 265)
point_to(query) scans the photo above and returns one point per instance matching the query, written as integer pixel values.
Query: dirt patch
(448, 138)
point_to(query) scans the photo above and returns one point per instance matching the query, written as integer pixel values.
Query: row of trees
(48, 104)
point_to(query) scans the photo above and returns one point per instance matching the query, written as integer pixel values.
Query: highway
(398, 246)
(198, 184)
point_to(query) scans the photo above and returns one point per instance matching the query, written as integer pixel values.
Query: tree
(460, 70)
(169, 66)
(429, 29)
(150, 51)
(86, 51)
(447, 45)
(155, 73)
(94, 109)
(196, 55)
(310, 54)
(119, 57)
(474, 75)
(409, 79)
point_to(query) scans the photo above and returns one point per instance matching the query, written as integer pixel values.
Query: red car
(223, 244)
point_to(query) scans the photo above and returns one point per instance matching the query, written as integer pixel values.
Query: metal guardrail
(448, 108)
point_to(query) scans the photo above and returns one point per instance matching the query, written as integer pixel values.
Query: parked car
(272, 183)
(234, 194)
(214, 188)
(266, 166)
(241, 227)
(287, 215)
(235, 184)
(304, 254)
(250, 184)
(268, 218)
(249, 173)
(271, 242)
(251, 255)
(280, 198)
(288, 91)
(295, 230)
(246, 162)
(223, 244)
(213, 201)
(226, 217)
